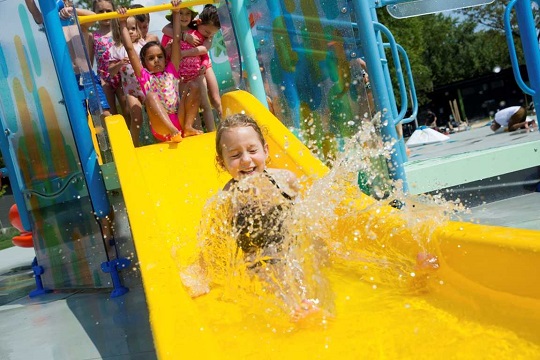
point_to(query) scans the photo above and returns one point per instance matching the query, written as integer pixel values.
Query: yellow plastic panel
(491, 270)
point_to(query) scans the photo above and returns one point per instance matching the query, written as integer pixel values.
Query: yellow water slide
(488, 275)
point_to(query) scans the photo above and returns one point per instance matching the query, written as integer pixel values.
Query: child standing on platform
(143, 22)
(101, 42)
(196, 41)
(119, 63)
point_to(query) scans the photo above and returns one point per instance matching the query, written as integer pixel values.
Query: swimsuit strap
(283, 193)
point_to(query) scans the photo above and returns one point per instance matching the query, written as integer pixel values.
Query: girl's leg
(182, 91)
(158, 116)
(213, 90)
(122, 100)
(208, 115)
(189, 104)
(135, 112)
(111, 97)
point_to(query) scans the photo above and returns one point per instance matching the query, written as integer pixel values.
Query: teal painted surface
(456, 169)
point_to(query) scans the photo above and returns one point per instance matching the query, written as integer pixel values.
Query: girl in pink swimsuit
(102, 41)
(196, 40)
(158, 79)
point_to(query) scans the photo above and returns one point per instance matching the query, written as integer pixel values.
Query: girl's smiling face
(186, 16)
(243, 153)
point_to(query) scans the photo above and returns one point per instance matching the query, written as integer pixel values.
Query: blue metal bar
(528, 33)
(373, 54)
(240, 19)
(76, 112)
(414, 99)
(529, 42)
(399, 72)
(399, 146)
(512, 49)
(400, 143)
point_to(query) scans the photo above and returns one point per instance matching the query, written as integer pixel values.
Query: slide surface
(487, 274)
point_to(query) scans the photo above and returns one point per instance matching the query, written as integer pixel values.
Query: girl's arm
(196, 51)
(128, 45)
(175, 51)
(115, 64)
(187, 37)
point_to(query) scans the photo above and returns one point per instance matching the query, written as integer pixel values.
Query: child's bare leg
(135, 111)
(208, 116)
(111, 97)
(213, 90)
(36, 14)
(191, 101)
(159, 118)
(122, 100)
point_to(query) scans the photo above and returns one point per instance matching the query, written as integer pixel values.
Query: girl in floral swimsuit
(102, 41)
(158, 79)
(120, 64)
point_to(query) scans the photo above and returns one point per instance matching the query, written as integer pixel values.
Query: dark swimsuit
(258, 228)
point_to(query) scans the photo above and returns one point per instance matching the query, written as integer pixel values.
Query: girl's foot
(426, 262)
(191, 132)
(426, 265)
(306, 309)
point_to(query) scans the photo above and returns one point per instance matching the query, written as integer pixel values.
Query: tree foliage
(444, 49)
(489, 16)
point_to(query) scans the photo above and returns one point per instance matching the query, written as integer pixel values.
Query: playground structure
(61, 185)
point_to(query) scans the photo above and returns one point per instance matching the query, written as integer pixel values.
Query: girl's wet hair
(95, 2)
(232, 122)
(145, 48)
(209, 16)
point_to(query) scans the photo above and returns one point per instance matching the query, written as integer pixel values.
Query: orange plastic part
(25, 238)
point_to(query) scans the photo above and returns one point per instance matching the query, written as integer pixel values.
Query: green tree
(409, 34)
(489, 16)
(445, 49)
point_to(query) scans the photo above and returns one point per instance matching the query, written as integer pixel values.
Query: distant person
(511, 119)
(431, 119)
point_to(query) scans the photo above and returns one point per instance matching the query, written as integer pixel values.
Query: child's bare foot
(306, 309)
(191, 132)
(426, 262)
(176, 137)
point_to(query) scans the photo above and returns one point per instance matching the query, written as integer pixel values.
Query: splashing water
(369, 268)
